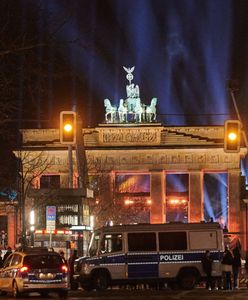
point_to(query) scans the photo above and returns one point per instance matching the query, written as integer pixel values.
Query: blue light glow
(181, 50)
(215, 197)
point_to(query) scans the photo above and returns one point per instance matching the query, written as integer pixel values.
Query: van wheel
(187, 280)
(15, 290)
(101, 281)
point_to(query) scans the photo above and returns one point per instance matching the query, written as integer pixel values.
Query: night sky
(56, 55)
(65, 53)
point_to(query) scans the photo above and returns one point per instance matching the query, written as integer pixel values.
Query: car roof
(36, 250)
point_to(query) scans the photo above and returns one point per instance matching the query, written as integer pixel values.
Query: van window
(199, 240)
(111, 243)
(142, 241)
(172, 240)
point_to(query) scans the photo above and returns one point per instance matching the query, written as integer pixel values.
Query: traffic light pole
(239, 117)
(70, 166)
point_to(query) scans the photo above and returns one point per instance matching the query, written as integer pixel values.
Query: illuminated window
(132, 183)
(177, 189)
(68, 219)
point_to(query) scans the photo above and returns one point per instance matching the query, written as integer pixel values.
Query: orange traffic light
(232, 136)
(68, 125)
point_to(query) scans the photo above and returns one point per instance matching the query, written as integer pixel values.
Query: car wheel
(3, 293)
(15, 290)
(74, 285)
(87, 286)
(187, 280)
(101, 281)
(63, 294)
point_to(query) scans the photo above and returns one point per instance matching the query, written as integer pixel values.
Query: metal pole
(50, 239)
(24, 242)
(70, 166)
(239, 117)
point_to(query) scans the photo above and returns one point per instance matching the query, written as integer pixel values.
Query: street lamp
(32, 226)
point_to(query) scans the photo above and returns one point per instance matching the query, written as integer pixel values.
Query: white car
(34, 270)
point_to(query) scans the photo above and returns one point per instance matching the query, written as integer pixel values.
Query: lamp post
(22, 202)
(246, 222)
(32, 227)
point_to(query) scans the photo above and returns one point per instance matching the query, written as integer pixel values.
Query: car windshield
(43, 261)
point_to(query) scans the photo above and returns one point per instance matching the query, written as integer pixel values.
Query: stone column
(106, 196)
(11, 227)
(196, 209)
(157, 192)
(234, 213)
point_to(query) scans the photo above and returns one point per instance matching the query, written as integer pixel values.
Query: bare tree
(32, 166)
(109, 202)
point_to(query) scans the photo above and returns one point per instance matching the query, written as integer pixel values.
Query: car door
(112, 255)
(142, 257)
(13, 268)
(5, 273)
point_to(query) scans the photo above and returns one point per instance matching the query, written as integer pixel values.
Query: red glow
(24, 269)
(64, 268)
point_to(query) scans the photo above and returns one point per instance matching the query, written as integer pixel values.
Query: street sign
(50, 218)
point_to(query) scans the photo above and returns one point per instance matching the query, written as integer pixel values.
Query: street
(146, 294)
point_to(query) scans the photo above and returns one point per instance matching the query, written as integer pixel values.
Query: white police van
(150, 253)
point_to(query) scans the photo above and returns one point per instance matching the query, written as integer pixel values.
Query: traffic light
(68, 127)
(232, 136)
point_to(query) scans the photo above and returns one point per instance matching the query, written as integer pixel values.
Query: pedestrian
(71, 261)
(227, 262)
(207, 262)
(6, 255)
(62, 254)
(236, 264)
(1, 259)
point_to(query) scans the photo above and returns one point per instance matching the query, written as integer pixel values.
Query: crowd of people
(231, 265)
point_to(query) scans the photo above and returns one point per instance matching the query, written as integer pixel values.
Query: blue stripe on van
(180, 257)
(143, 271)
(146, 265)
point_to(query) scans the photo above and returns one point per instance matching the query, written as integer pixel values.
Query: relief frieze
(129, 136)
(185, 160)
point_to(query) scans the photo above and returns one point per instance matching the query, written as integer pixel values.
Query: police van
(150, 253)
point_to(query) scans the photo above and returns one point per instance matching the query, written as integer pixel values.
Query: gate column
(157, 192)
(234, 215)
(11, 227)
(196, 210)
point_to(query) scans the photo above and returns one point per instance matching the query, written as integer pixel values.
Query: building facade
(144, 173)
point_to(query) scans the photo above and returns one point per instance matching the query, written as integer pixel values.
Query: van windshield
(94, 244)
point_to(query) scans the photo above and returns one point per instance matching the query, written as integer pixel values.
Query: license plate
(46, 275)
